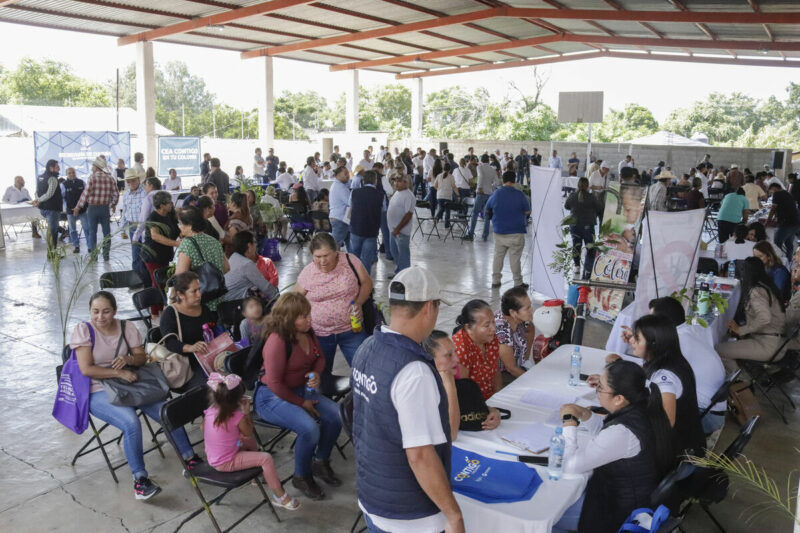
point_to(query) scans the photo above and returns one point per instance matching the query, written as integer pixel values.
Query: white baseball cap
(605, 164)
(416, 284)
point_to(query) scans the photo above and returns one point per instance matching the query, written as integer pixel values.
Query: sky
(660, 86)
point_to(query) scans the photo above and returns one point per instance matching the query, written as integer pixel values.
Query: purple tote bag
(71, 407)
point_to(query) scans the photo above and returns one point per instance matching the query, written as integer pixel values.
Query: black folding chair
(230, 316)
(336, 388)
(459, 220)
(425, 206)
(706, 265)
(126, 279)
(153, 335)
(321, 220)
(180, 411)
(779, 370)
(146, 298)
(721, 394)
(87, 448)
(161, 277)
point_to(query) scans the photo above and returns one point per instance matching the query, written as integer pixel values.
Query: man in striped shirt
(101, 195)
(131, 208)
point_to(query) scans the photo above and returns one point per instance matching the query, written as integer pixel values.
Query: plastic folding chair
(230, 316)
(180, 411)
(425, 206)
(459, 220)
(126, 279)
(144, 299)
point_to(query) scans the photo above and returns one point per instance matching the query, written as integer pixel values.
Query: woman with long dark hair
(655, 340)
(784, 211)
(774, 268)
(762, 317)
(585, 208)
(431, 179)
(629, 451)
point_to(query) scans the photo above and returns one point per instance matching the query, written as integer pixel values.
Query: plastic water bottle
(731, 269)
(208, 335)
(355, 323)
(311, 392)
(555, 459)
(575, 366)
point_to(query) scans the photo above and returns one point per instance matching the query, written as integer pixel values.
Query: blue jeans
(98, 215)
(366, 249)
(784, 239)
(431, 198)
(347, 341)
(480, 202)
(582, 235)
(73, 227)
(401, 251)
(385, 237)
(444, 209)
(419, 185)
(339, 231)
(52, 218)
(126, 420)
(712, 422)
(137, 263)
(313, 438)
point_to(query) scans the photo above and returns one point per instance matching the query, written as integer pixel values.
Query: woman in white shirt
(445, 185)
(462, 176)
(629, 450)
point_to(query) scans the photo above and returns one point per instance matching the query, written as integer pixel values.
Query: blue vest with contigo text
(385, 483)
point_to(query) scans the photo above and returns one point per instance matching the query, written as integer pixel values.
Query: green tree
(48, 82)
(538, 124)
(385, 108)
(724, 118)
(307, 109)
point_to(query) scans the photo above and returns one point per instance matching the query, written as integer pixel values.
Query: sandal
(287, 502)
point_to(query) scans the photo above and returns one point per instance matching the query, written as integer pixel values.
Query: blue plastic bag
(632, 524)
(492, 480)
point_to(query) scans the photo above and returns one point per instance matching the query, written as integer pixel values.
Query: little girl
(228, 431)
(252, 324)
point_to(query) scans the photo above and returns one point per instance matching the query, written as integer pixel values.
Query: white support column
(266, 104)
(416, 108)
(146, 101)
(351, 104)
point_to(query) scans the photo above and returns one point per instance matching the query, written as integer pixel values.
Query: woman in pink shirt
(288, 394)
(330, 283)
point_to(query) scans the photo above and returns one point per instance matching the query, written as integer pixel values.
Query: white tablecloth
(716, 330)
(570, 181)
(540, 513)
(18, 213)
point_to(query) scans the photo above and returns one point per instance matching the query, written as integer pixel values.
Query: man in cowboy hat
(658, 191)
(101, 195)
(131, 208)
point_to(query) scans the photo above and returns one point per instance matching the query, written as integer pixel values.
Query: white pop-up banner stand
(547, 212)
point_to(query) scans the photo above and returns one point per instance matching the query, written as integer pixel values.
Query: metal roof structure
(419, 38)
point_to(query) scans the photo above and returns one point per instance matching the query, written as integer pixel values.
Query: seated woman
(105, 351)
(515, 333)
(185, 317)
(774, 268)
(255, 213)
(477, 347)
(272, 213)
(756, 232)
(281, 395)
(244, 278)
(197, 248)
(762, 309)
(629, 451)
(239, 220)
(210, 225)
(322, 204)
(695, 198)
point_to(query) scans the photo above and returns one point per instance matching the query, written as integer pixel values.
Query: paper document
(547, 400)
(534, 438)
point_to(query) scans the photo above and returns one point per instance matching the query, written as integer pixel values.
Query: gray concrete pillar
(266, 104)
(416, 108)
(351, 103)
(146, 102)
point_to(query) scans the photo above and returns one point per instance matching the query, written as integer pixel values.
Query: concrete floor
(40, 491)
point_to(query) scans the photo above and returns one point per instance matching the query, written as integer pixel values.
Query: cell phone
(597, 409)
(533, 459)
(584, 377)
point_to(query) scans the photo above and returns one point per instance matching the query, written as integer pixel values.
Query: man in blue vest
(49, 200)
(401, 429)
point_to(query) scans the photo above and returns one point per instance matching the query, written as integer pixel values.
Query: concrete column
(266, 104)
(146, 102)
(351, 104)
(416, 108)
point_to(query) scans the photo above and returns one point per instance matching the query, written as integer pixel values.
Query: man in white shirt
(286, 180)
(702, 173)
(555, 161)
(173, 183)
(382, 153)
(17, 193)
(367, 162)
(658, 191)
(339, 203)
(349, 162)
(138, 166)
(774, 180)
(311, 181)
(399, 218)
(327, 173)
(419, 183)
(598, 178)
(259, 166)
(427, 163)
(627, 162)
(400, 413)
(487, 174)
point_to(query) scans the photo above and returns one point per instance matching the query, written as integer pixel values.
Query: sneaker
(287, 502)
(36, 235)
(308, 486)
(76, 250)
(323, 470)
(144, 489)
(468, 238)
(192, 463)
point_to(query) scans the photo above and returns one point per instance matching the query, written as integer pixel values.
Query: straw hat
(665, 175)
(100, 162)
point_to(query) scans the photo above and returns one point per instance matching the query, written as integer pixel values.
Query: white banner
(547, 212)
(675, 241)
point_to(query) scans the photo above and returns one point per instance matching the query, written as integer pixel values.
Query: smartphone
(598, 410)
(532, 459)
(584, 377)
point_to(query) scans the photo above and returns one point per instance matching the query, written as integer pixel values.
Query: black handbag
(212, 280)
(150, 387)
(372, 316)
(472, 406)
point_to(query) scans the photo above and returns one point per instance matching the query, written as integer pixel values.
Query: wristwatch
(570, 417)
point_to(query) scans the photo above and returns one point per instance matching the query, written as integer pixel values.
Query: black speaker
(776, 159)
(442, 147)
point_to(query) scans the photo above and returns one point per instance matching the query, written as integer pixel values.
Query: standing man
(73, 189)
(151, 186)
(335, 155)
(702, 173)
(427, 164)
(627, 162)
(398, 216)
(707, 162)
(735, 178)
(101, 195)
(205, 167)
(365, 219)
(522, 162)
(18, 193)
(219, 178)
(536, 158)
(508, 209)
(49, 199)
(131, 209)
(483, 190)
(272, 164)
(120, 175)
(555, 162)
(599, 178)
(311, 176)
(367, 162)
(573, 163)
(259, 167)
(401, 428)
(339, 203)
(138, 165)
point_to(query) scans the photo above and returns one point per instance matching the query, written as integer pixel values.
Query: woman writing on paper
(629, 451)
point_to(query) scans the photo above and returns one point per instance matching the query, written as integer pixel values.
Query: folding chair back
(153, 335)
(144, 299)
(126, 279)
(160, 275)
(346, 414)
(722, 392)
(706, 265)
(735, 448)
(230, 316)
(321, 220)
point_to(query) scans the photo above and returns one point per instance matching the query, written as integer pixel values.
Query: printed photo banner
(78, 149)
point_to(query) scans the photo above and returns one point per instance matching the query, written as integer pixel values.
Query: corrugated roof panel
(27, 17)
(679, 31)
(391, 47)
(567, 47)
(626, 28)
(513, 27)
(324, 16)
(785, 31)
(368, 7)
(192, 9)
(68, 7)
(470, 35)
(211, 40)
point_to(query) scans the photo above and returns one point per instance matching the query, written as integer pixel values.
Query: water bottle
(208, 335)
(355, 322)
(575, 366)
(555, 459)
(731, 269)
(703, 298)
(311, 392)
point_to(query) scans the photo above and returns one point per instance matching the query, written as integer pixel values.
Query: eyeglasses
(600, 391)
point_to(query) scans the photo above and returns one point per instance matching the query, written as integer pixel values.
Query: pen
(505, 453)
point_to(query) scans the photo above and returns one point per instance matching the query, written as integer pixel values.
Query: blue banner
(78, 149)
(180, 153)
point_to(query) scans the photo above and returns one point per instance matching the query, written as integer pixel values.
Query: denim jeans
(385, 237)
(419, 185)
(784, 239)
(480, 202)
(366, 249)
(137, 263)
(401, 251)
(313, 439)
(712, 422)
(98, 215)
(582, 235)
(339, 231)
(347, 341)
(126, 420)
(431, 198)
(73, 227)
(443, 208)
(52, 218)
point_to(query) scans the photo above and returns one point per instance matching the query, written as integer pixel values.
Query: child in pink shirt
(228, 432)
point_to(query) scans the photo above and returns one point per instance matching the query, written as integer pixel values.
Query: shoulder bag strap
(121, 338)
(196, 247)
(353, 268)
(91, 332)
(177, 321)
